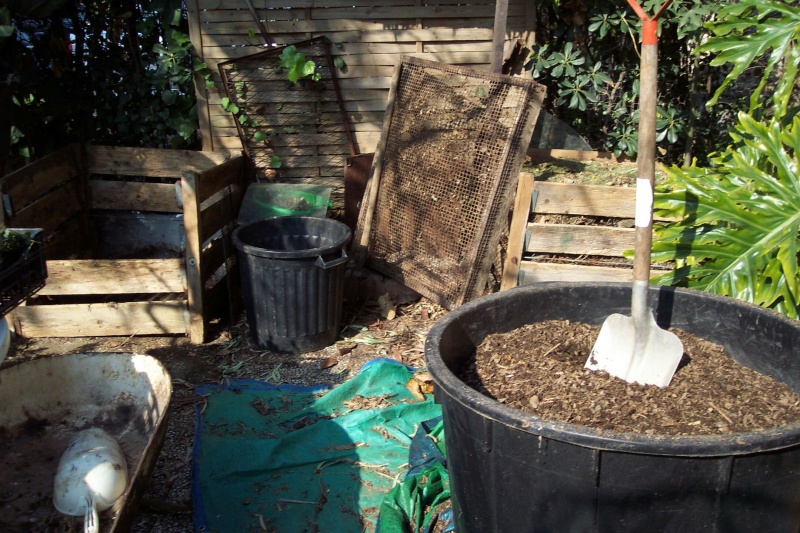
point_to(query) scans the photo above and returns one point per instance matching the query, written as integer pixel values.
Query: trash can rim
(335, 245)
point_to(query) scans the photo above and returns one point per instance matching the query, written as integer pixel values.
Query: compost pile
(539, 368)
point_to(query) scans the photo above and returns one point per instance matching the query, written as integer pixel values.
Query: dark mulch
(539, 369)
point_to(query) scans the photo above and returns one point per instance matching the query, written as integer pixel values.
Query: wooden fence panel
(368, 35)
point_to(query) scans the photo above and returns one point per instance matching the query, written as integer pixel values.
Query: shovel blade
(649, 355)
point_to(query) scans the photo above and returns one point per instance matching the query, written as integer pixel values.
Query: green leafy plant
(127, 66)
(588, 57)
(13, 244)
(749, 31)
(738, 219)
(738, 228)
(297, 65)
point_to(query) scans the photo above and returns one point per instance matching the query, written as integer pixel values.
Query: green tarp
(292, 459)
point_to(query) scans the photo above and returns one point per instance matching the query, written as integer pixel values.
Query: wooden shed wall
(369, 35)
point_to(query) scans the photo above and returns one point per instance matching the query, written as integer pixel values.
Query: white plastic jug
(92, 475)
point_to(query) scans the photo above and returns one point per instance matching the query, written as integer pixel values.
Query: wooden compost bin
(571, 232)
(137, 240)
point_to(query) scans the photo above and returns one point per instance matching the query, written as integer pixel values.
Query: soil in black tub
(539, 369)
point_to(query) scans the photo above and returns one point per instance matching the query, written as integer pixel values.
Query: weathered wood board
(102, 319)
(121, 276)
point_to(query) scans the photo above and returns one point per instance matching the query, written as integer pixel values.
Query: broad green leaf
(746, 32)
(738, 221)
(169, 96)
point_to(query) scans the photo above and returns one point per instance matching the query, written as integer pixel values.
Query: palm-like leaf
(746, 31)
(738, 222)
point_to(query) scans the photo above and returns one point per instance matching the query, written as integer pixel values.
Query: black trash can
(293, 280)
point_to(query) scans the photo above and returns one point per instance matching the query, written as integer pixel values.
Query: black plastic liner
(512, 471)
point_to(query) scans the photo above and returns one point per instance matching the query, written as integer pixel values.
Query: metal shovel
(635, 348)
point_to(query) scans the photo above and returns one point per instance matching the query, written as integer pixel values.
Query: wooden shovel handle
(646, 160)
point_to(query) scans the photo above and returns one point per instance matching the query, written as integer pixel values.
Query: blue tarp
(294, 459)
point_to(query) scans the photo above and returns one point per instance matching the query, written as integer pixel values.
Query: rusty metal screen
(293, 132)
(453, 143)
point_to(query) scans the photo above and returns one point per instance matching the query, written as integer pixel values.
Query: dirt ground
(391, 322)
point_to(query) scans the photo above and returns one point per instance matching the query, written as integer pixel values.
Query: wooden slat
(366, 78)
(579, 240)
(534, 272)
(361, 32)
(134, 196)
(215, 215)
(541, 155)
(587, 200)
(364, 65)
(51, 210)
(516, 232)
(194, 275)
(217, 178)
(366, 135)
(128, 276)
(299, 26)
(152, 162)
(231, 45)
(228, 142)
(101, 319)
(268, 6)
(28, 184)
(375, 11)
(288, 120)
(197, 38)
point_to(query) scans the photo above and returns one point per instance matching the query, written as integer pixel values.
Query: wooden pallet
(565, 245)
(89, 293)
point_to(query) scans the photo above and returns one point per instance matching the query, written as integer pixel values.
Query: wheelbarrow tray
(44, 402)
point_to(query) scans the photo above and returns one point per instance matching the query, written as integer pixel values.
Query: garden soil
(539, 369)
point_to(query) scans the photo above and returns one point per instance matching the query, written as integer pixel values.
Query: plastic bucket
(511, 471)
(293, 280)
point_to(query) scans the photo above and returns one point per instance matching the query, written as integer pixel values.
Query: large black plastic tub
(293, 281)
(512, 471)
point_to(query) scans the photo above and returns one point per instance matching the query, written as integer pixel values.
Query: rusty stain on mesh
(451, 156)
(304, 124)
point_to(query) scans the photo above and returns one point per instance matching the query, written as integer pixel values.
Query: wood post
(194, 279)
(516, 233)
